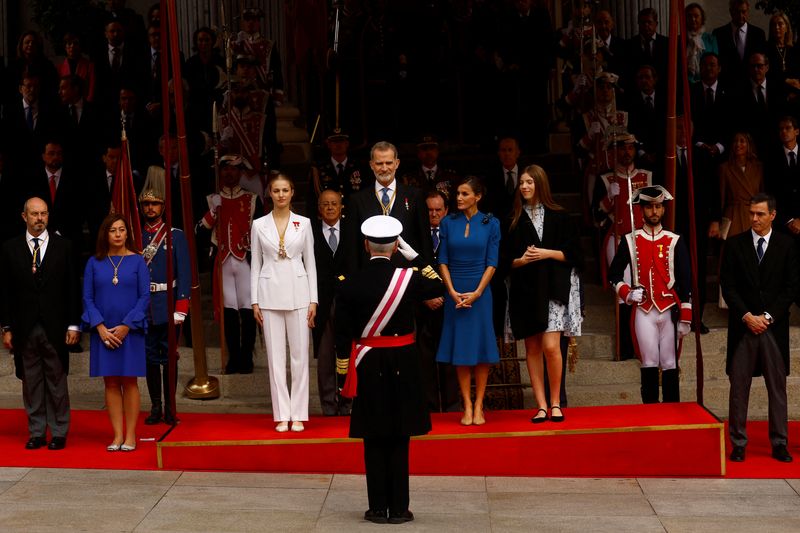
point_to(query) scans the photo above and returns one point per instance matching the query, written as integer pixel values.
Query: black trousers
(386, 462)
(44, 386)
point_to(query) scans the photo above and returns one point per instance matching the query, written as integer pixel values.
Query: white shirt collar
(786, 151)
(431, 169)
(42, 237)
(57, 173)
(652, 95)
(742, 29)
(713, 86)
(326, 229)
(756, 236)
(392, 186)
(336, 163)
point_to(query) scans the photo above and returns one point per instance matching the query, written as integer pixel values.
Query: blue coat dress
(468, 336)
(127, 303)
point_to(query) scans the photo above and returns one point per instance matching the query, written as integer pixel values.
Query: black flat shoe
(781, 454)
(556, 418)
(737, 454)
(540, 419)
(402, 518)
(58, 443)
(34, 443)
(376, 517)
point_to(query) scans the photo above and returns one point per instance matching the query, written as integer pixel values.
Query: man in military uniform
(230, 215)
(662, 280)
(383, 369)
(613, 216)
(429, 175)
(338, 173)
(243, 131)
(154, 240)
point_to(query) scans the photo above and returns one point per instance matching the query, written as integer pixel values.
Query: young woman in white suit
(283, 284)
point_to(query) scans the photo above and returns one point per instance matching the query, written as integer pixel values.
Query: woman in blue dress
(116, 299)
(468, 254)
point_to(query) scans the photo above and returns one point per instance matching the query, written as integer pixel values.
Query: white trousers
(655, 336)
(277, 326)
(236, 284)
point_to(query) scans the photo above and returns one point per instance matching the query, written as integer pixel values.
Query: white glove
(406, 250)
(635, 296)
(613, 190)
(595, 129)
(178, 317)
(215, 202)
(683, 329)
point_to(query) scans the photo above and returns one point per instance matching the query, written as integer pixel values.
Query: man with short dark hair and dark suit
(712, 105)
(330, 261)
(392, 198)
(647, 47)
(760, 280)
(737, 40)
(40, 313)
(783, 177)
(761, 103)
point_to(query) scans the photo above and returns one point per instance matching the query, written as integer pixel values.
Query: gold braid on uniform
(429, 272)
(341, 365)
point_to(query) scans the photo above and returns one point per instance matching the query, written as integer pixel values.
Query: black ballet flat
(556, 418)
(540, 419)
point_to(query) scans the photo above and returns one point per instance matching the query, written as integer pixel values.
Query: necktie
(53, 188)
(339, 170)
(741, 37)
(649, 101)
(333, 242)
(115, 59)
(72, 113)
(682, 157)
(37, 253)
(435, 238)
(709, 97)
(510, 183)
(430, 175)
(385, 198)
(760, 248)
(792, 160)
(29, 117)
(156, 68)
(762, 101)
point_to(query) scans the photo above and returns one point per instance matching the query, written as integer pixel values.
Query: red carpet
(594, 441)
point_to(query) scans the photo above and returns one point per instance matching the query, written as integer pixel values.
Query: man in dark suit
(712, 105)
(61, 190)
(27, 124)
(329, 259)
(100, 188)
(79, 124)
(40, 313)
(760, 280)
(615, 47)
(388, 197)
(338, 171)
(388, 407)
(647, 112)
(118, 64)
(647, 47)
(737, 40)
(761, 103)
(430, 175)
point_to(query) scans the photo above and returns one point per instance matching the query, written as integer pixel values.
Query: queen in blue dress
(116, 299)
(468, 256)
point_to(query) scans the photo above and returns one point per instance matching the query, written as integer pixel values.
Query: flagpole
(202, 386)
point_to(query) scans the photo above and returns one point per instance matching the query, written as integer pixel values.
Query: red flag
(123, 195)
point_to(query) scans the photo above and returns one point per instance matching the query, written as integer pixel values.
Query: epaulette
(430, 273)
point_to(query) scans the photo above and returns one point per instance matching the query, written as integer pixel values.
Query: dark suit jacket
(712, 123)
(760, 123)
(134, 72)
(770, 286)
(330, 266)
(68, 212)
(409, 208)
(783, 182)
(649, 125)
(734, 68)
(23, 146)
(51, 297)
(497, 200)
(636, 57)
(81, 140)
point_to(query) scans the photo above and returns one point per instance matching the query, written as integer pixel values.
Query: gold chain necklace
(281, 236)
(115, 279)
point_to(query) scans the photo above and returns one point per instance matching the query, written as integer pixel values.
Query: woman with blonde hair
(781, 53)
(542, 248)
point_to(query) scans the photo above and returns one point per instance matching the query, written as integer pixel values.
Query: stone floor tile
(258, 498)
(84, 495)
(53, 517)
(348, 501)
(168, 517)
(447, 483)
(430, 502)
(512, 504)
(97, 476)
(5, 485)
(738, 524)
(795, 484)
(254, 479)
(349, 482)
(725, 505)
(562, 485)
(778, 487)
(10, 473)
(577, 524)
(435, 523)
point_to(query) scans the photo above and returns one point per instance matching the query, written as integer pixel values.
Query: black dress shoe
(737, 455)
(376, 517)
(781, 454)
(34, 443)
(402, 518)
(58, 443)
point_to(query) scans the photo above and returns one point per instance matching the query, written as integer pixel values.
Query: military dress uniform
(230, 216)
(157, 347)
(663, 270)
(439, 179)
(389, 406)
(244, 132)
(350, 179)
